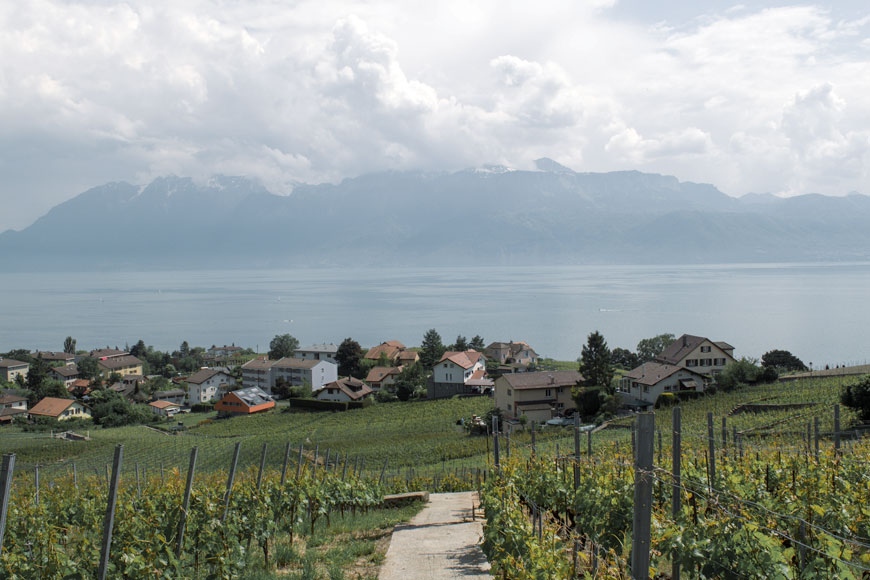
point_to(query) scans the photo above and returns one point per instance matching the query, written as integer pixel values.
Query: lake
(817, 311)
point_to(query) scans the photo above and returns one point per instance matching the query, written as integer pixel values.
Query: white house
(646, 382)
(164, 408)
(458, 373)
(206, 385)
(325, 352)
(66, 374)
(699, 354)
(258, 373)
(298, 371)
(344, 390)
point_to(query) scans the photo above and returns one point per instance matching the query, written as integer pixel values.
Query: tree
(595, 362)
(114, 377)
(431, 349)
(69, 345)
(348, 357)
(283, 345)
(477, 343)
(782, 360)
(88, 368)
(410, 381)
(649, 348)
(36, 375)
(461, 344)
(110, 409)
(139, 349)
(741, 373)
(624, 358)
(384, 360)
(857, 397)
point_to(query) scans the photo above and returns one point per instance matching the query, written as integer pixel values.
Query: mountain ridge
(552, 215)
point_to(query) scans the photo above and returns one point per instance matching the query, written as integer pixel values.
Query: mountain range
(491, 215)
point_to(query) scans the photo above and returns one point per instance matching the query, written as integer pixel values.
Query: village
(236, 381)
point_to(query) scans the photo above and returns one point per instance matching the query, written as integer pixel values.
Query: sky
(759, 97)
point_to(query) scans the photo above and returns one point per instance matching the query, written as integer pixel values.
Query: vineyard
(750, 495)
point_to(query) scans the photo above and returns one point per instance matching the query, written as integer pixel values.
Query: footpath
(442, 542)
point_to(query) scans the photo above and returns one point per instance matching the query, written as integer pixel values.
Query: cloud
(750, 99)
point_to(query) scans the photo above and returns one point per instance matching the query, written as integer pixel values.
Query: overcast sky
(762, 97)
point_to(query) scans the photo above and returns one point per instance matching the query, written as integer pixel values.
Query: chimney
(552, 380)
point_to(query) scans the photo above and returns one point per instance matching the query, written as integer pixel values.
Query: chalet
(60, 409)
(540, 396)
(50, 357)
(458, 373)
(244, 402)
(67, 374)
(164, 408)
(512, 353)
(381, 377)
(408, 357)
(697, 353)
(348, 389)
(644, 384)
(224, 351)
(10, 369)
(206, 385)
(390, 348)
(10, 407)
(325, 352)
(177, 396)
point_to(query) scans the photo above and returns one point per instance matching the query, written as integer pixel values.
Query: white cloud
(748, 99)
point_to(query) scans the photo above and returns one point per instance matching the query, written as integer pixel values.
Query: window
(667, 387)
(548, 393)
(510, 392)
(691, 362)
(705, 349)
(509, 406)
(708, 362)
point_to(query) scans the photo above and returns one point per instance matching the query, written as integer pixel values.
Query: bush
(201, 408)
(665, 400)
(857, 397)
(588, 400)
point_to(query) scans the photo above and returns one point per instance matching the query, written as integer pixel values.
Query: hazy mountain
(491, 215)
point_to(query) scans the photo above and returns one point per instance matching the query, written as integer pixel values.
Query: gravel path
(439, 543)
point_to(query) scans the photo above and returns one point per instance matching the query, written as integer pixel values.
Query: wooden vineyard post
(75, 476)
(533, 438)
(676, 466)
(495, 450)
(230, 480)
(589, 443)
(837, 428)
(711, 436)
(641, 530)
(286, 463)
(299, 462)
(185, 502)
(724, 436)
(36, 482)
(381, 478)
(816, 435)
(6, 470)
(109, 520)
(576, 450)
(262, 466)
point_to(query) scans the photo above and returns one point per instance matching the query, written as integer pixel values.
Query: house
(512, 353)
(244, 402)
(177, 396)
(205, 385)
(458, 373)
(645, 383)
(407, 357)
(380, 377)
(66, 374)
(123, 364)
(258, 373)
(348, 389)
(540, 396)
(390, 348)
(298, 371)
(699, 354)
(10, 407)
(164, 408)
(325, 352)
(224, 351)
(10, 369)
(80, 387)
(60, 409)
(50, 357)
(104, 353)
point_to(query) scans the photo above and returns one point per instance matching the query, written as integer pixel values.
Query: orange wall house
(245, 402)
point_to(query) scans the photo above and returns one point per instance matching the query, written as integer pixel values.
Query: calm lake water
(820, 312)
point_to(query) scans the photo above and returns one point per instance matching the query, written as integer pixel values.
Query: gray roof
(328, 348)
(159, 395)
(652, 373)
(203, 375)
(253, 396)
(259, 364)
(681, 347)
(542, 379)
(11, 362)
(7, 399)
(296, 363)
(117, 362)
(66, 371)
